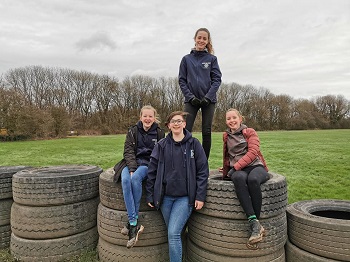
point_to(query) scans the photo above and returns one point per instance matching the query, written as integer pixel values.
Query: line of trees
(41, 102)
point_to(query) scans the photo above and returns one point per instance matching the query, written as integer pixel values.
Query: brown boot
(257, 231)
(134, 232)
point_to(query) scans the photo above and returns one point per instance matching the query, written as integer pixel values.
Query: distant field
(315, 163)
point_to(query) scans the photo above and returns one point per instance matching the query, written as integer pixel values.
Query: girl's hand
(150, 204)
(198, 204)
(221, 169)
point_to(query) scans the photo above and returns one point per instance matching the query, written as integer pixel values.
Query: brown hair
(176, 113)
(209, 45)
(149, 107)
(237, 112)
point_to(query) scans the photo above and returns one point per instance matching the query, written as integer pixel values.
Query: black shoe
(125, 229)
(134, 232)
(257, 231)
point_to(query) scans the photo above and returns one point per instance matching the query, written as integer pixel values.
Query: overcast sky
(296, 47)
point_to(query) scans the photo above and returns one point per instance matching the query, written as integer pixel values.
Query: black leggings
(247, 185)
(207, 119)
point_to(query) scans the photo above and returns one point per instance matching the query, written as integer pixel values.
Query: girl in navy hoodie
(199, 80)
(177, 179)
(139, 143)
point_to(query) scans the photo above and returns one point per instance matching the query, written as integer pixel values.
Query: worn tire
(58, 249)
(295, 254)
(56, 185)
(111, 221)
(229, 237)
(53, 221)
(5, 236)
(108, 252)
(222, 200)
(321, 227)
(6, 173)
(111, 193)
(5, 211)
(197, 254)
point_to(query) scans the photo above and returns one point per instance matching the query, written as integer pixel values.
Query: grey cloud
(97, 41)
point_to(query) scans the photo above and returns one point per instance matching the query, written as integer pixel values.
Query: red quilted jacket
(253, 151)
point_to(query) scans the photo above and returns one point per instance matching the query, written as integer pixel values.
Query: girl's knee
(238, 177)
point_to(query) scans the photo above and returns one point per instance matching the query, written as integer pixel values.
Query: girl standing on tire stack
(177, 179)
(199, 80)
(139, 143)
(244, 164)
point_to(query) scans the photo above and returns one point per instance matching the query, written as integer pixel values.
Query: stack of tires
(6, 200)
(112, 216)
(318, 231)
(220, 230)
(54, 213)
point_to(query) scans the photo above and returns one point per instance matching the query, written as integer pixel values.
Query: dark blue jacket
(132, 152)
(199, 76)
(196, 169)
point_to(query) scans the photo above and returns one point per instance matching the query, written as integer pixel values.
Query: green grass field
(315, 163)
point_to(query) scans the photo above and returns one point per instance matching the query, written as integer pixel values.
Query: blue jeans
(176, 211)
(132, 190)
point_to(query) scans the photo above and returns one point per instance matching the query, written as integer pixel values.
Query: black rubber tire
(111, 193)
(58, 249)
(53, 221)
(6, 173)
(229, 237)
(56, 185)
(222, 200)
(5, 211)
(197, 254)
(108, 252)
(5, 236)
(295, 254)
(321, 227)
(111, 221)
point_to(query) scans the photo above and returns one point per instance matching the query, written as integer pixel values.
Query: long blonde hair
(209, 45)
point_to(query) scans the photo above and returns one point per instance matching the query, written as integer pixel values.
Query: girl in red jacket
(246, 167)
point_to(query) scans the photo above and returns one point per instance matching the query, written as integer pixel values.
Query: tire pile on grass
(54, 213)
(318, 231)
(6, 200)
(219, 231)
(152, 245)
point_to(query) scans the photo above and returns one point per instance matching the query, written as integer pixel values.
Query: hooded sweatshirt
(199, 76)
(145, 143)
(177, 169)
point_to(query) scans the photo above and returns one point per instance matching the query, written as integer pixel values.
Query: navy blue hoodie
(199, 76)
(177, 169)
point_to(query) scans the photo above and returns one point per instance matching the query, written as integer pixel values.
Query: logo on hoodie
(206, 64)
(192, 153)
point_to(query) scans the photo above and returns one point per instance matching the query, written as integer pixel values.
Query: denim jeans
(207, 120)
(132, 190)
(175, 211)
